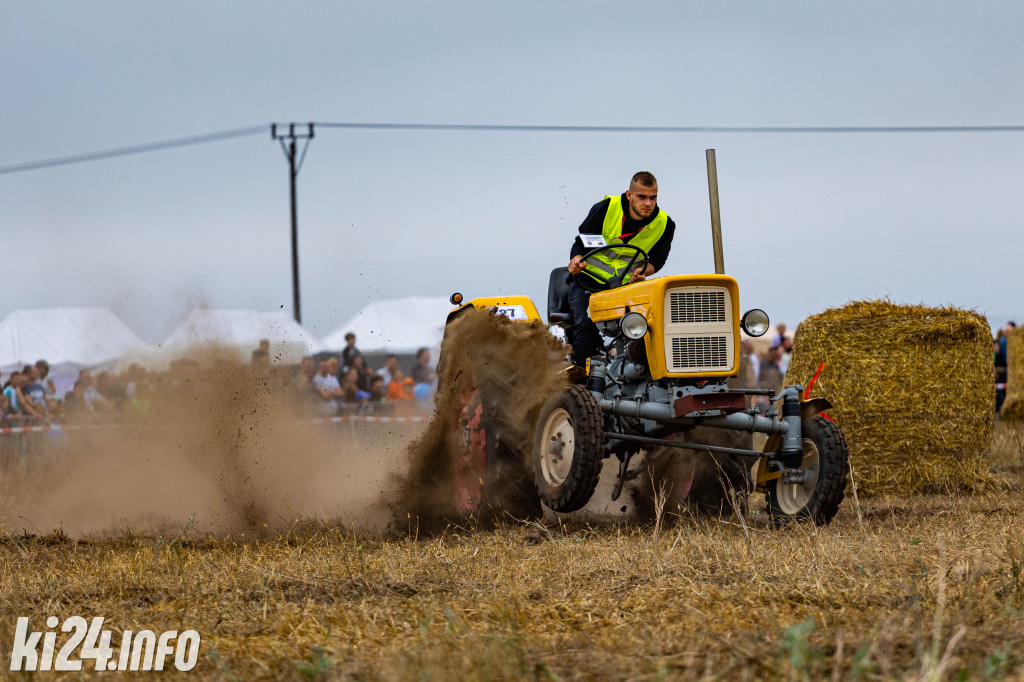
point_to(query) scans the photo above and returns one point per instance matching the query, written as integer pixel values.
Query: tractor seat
(558, 297)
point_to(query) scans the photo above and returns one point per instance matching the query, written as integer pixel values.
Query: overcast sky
(810, 221)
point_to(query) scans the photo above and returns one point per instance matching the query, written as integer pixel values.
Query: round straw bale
(911, 388)
(1013, 406)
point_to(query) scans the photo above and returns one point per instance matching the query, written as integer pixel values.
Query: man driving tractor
(631, 218)
(674, 344)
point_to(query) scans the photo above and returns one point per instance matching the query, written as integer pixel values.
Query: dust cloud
(224, 444)
(243, 455)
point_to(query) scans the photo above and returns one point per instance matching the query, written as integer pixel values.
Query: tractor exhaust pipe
(716, 215)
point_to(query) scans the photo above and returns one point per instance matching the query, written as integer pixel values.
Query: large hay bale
(912, 390)
(1013, 406)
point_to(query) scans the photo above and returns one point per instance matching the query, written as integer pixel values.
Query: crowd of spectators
(337, 384)
(29, 397)
(327, 386)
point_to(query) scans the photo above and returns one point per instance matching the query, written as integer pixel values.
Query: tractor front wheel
(826, 463)
(567, 449)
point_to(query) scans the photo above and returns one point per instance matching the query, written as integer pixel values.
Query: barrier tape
(358, 418)
(55, 427)
(324, 420)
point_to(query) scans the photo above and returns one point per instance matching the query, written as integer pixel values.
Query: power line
(134, 149)
(678, 129)
(471, 127)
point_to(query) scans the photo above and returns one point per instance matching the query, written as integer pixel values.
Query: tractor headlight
(633, 325)
(755, 322)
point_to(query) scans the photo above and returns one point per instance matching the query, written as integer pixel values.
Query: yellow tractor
(672, 347)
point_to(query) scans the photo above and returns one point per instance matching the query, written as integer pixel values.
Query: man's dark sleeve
(592, 224)
(659, 252)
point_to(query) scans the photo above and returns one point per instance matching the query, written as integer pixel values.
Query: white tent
(243, 330)
(398, 325)
(70, 339)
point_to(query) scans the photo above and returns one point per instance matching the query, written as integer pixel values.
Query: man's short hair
(644, 178)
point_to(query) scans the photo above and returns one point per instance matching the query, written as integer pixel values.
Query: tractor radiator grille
(706, 352)
(696, 306)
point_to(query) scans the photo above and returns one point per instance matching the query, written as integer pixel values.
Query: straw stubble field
(895, 588)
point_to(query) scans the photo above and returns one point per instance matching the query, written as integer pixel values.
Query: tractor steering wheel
(591, 284)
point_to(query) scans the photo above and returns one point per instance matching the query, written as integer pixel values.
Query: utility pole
(293, 172)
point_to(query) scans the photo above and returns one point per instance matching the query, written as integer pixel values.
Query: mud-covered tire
(568, 448)
(469, 464)
(492, 479)
(828, 456)
(509, 491)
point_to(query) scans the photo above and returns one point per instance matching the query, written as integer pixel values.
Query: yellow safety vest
(603, 266)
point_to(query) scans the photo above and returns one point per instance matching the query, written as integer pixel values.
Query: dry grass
(926, 588)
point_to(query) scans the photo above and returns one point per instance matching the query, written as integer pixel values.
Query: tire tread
(833, 471)
(585, 471)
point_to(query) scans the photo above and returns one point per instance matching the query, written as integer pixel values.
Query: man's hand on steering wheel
(576, 265)
(640, 274)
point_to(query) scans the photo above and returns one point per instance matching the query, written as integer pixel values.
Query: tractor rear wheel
(470, 461)
(826, 460)
(567, 449)
(491, 478)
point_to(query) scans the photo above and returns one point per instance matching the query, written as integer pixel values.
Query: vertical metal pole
(716, 216)
(295, 235)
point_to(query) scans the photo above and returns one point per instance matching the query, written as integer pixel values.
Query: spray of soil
(518, 363)
(223, 443)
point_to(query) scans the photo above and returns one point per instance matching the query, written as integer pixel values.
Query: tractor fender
(811, 407)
